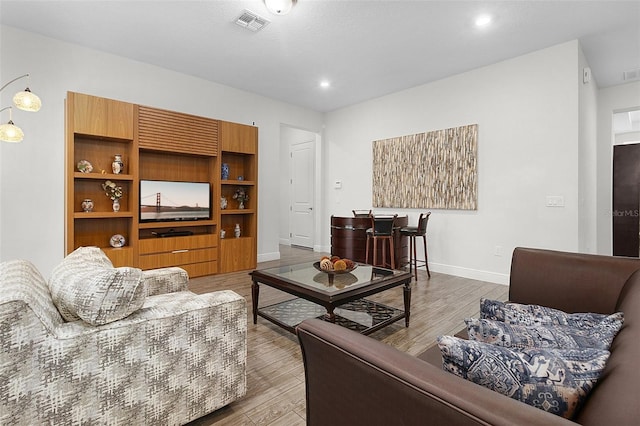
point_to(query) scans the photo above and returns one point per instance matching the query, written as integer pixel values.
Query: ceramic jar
(87, 205)
(225, 171)
(237, 231)
(117, 166)
(116, 205)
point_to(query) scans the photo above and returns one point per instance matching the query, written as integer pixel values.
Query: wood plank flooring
(275, 374)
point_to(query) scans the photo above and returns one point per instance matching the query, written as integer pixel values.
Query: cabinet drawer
(161, 245)
(177, 258)
(200, 269)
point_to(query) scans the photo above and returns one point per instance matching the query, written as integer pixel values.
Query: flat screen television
(171, 201)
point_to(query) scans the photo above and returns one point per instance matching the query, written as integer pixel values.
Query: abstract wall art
(436, 170)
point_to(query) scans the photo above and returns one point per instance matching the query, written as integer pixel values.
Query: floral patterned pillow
(554, 380)
(551, 336)
(516, 313)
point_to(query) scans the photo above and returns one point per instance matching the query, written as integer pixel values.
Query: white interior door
(302, 193)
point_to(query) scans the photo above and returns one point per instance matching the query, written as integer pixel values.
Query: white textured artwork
(436, 170)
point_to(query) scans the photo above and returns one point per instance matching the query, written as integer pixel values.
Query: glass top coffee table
(339, 298)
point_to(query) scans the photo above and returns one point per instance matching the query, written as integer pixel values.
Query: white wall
(610, 100)
(527, 114)
(587, 159)
(31, 173)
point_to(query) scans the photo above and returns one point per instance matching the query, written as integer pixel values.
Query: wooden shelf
(101, 176)
(237, 182)
(237, 211)
(176, 224)
(101, 215)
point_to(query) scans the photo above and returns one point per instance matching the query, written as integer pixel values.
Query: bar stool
(381, 229)
(361, 213)
(417, 231)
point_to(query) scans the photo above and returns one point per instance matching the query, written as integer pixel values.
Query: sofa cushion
(516, 313)
(552, 336)
(86, 286)
(555, 380)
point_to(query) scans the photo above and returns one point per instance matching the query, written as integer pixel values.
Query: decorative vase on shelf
(116, 205)
(225, 171)
(87, 205)
(117, 166)
(241, 205)
(223, 203)
(236, 231)
(222, 234)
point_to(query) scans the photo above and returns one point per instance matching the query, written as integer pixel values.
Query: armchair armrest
(354, 379)
(165, 280)
(571, 282)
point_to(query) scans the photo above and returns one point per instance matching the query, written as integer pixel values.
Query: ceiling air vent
(251, 21)
(631, 75)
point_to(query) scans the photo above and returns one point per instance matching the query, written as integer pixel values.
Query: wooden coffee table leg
(407, 302)
(255, 292)
(330, 316)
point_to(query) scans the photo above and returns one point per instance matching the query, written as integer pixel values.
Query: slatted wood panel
(177, 132)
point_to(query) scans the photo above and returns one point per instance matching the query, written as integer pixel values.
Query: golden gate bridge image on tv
(158, 206)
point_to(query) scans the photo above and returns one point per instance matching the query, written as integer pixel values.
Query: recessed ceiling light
(483, 20)
(325, 84)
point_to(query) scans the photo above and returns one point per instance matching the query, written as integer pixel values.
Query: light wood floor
(275, 374)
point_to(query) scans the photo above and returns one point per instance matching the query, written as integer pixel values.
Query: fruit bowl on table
(334, 272)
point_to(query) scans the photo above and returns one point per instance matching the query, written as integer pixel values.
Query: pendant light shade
(10, 132)
(27, 101)
(279, 7)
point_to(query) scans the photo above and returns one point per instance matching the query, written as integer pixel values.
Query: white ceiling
(366, 49)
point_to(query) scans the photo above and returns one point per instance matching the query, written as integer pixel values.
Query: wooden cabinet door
(102, 117)
(237, 254)
(238, 137)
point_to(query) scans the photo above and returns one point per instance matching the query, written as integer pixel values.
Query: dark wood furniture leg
(407, 302)
(255, 292)
(330, 315)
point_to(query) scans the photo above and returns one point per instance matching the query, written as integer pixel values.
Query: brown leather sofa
(356, 380)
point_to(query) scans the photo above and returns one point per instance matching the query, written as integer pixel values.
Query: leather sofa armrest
(571, 282)
(354, 379)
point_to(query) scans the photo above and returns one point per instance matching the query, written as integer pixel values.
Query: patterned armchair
(176, 357)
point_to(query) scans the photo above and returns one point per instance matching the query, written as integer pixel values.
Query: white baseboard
(474, 274)
(265, 257)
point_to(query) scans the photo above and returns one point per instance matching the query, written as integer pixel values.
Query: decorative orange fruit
(340, 265)
(350, 263)
(334, 259)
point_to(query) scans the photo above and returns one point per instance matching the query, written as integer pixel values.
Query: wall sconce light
(279, 7)
(26, 101)
(10, 132)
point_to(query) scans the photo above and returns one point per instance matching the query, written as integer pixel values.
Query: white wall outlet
(497, 251)
(337, 184)
(555, 201)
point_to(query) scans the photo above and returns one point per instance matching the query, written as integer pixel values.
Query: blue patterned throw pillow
(516, 313)
(552, 336)
(554, 380)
